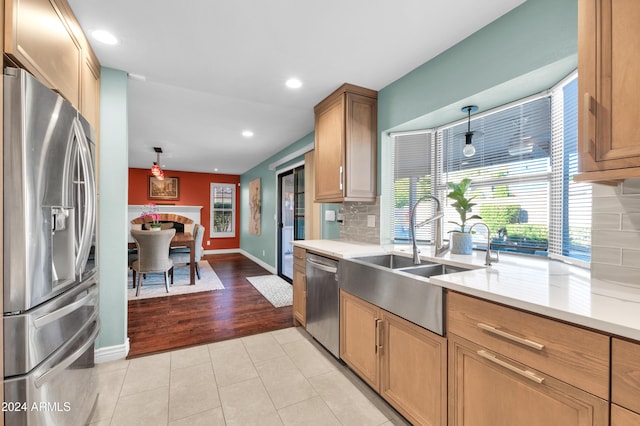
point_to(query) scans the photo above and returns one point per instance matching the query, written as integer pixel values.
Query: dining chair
(182, 254)
(153, 254)
(133, 256)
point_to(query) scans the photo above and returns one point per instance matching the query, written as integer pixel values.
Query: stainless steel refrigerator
(50, 312)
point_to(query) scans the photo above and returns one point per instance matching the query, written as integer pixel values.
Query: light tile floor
(278, 378)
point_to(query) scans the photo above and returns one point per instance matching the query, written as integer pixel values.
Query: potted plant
(461, 240)
(151, 217)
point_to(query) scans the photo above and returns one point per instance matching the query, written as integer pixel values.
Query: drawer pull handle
(524, 373)
(378, 335)
(525, 342)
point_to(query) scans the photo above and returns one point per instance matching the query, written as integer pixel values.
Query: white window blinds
(526, 155)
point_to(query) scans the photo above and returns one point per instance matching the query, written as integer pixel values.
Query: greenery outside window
(223, 210)
(522, 176)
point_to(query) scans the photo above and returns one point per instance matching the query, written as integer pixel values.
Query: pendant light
(155, 169)
(469, 149)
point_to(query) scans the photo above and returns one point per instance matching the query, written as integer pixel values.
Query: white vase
(461, 243)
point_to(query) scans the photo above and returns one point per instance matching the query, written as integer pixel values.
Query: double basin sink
(405, 264)
(394, 283)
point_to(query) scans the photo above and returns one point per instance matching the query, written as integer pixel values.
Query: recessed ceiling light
(215, 170)
(247, 133)
(293, 83)
(104, 37)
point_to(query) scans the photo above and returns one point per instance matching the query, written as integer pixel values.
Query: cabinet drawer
(623, 417)
(299, 256)
(625, 374)
(571, 354)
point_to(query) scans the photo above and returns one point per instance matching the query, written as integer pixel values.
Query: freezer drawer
(60, 391)
(29, 338)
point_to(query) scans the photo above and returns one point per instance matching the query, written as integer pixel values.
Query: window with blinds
(526, 155)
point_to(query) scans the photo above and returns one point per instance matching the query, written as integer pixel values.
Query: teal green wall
(266, 242)
(524, 52)
(329, 230)
(112, 225)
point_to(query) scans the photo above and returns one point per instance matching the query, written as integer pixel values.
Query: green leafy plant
(462, 204)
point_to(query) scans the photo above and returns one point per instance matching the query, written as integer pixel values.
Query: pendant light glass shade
(469, 150)
(155, 169)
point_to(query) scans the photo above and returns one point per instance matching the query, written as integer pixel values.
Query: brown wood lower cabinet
(625, 382)
(299, 287)
(623, 417)
(487, 389)
(403, 362)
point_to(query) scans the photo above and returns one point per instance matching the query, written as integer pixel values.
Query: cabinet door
(487, 389)
(299, 296)
(609, 65)
(414, 371)
(623, 417)
(625, 374)
(90, 92)
(360, 149)
(359, 337)
(38, 37)
(329, 148)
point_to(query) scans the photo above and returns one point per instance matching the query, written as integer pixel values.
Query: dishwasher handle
(322, 267)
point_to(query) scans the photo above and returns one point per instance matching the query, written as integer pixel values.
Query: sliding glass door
(290, 217)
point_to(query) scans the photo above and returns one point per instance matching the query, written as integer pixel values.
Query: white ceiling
(214, 68)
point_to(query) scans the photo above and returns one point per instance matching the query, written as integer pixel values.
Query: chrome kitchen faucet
(441, 249)
(489, 257)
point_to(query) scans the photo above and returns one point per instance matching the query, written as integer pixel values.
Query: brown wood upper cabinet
(44, 37)
(346, 145)
(609, 105)
(39, 38)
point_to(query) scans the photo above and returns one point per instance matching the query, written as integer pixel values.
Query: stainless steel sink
(392, 261)
(394, 283)
(429, 270)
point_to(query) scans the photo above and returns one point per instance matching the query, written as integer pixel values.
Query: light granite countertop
(534, 284)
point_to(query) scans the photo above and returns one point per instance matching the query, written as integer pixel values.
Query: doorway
(290, 217)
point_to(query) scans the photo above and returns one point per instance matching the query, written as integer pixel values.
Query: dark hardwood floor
(164, 323)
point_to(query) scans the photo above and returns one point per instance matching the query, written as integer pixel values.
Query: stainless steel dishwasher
(323, 302)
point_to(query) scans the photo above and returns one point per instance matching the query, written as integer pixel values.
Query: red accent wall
(194, 190)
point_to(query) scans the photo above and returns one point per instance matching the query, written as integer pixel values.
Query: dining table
(181, 239)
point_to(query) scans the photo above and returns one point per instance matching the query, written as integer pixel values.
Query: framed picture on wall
(167, 189)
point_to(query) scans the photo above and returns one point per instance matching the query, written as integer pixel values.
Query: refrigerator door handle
(67, 309)
(88, 220)
(54, 371)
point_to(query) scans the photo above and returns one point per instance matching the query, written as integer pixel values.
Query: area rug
(274, 289)
(153, 285)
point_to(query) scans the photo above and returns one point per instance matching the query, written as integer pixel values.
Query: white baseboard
(222, 251)
(260, 262)
(111, 353)
(250, 256)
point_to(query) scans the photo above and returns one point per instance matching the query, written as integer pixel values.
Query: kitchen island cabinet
(346, 145)
(609, 135)
(403, 362)
(511, 367)
(299, 287)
